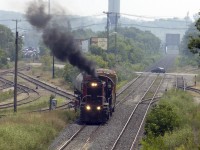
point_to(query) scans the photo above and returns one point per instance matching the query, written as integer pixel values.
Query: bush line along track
(90, 137)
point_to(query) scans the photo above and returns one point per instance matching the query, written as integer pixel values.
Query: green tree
(7, 41)
(3, 59)
(70, 72)
(46, 62)
(161, 119)
(83, 34)
(194, 43)
(43, 49)
(144, 39)
(96, 50)
(98, 61)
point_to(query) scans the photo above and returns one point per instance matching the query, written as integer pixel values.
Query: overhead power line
(125, 14)
(74, 18)
(86, 26)
(147, 17)
(5, 20)
(150, 17)
(156, 27)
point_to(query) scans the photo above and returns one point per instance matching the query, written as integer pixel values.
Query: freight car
(96, 95)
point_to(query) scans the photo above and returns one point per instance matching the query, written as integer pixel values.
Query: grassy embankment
(32, 131)
(179, 128)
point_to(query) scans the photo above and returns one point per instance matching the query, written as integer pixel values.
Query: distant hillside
(158, 27)
(7, 18)
(31, 38)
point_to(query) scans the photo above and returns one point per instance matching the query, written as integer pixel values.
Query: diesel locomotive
(96, 95)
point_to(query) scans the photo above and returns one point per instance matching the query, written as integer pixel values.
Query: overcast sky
(151, 8)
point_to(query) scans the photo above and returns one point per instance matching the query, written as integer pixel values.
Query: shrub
(6, 95)
(173, 123)
(161, 119)
(180, 138)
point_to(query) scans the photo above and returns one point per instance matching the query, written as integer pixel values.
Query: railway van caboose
(96, 95)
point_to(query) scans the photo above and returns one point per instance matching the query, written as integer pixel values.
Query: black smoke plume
(57, 36)
(36, 14)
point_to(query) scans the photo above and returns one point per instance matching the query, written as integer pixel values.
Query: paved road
(39, 64)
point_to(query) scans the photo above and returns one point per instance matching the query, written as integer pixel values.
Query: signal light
(93, 84)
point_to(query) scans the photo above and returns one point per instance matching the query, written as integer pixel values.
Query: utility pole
(107, 27)
(116, 22)
(53, 61)
(15, 75)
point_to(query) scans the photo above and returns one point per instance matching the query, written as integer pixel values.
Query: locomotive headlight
(98, 108)
(88, 107)
(93, 84)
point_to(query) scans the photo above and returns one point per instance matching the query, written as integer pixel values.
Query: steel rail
(46, 86)
(89, 138)
(72, 137)
(122, 131)
(129, 84)
(146, 113)
(131, 90)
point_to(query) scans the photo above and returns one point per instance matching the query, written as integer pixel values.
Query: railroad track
(94, 129)
(4, 84)
(132, 128)
(21, 89)
(46, 86)
(193, 89)
(55, 90)
(39, 83)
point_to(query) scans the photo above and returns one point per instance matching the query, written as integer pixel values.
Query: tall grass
(32, 131)
(187, 135)
(6, 95)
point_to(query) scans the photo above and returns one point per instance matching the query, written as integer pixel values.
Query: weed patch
(32, 131)
(178, 118)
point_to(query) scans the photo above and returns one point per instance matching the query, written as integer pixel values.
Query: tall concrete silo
(114, 11)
